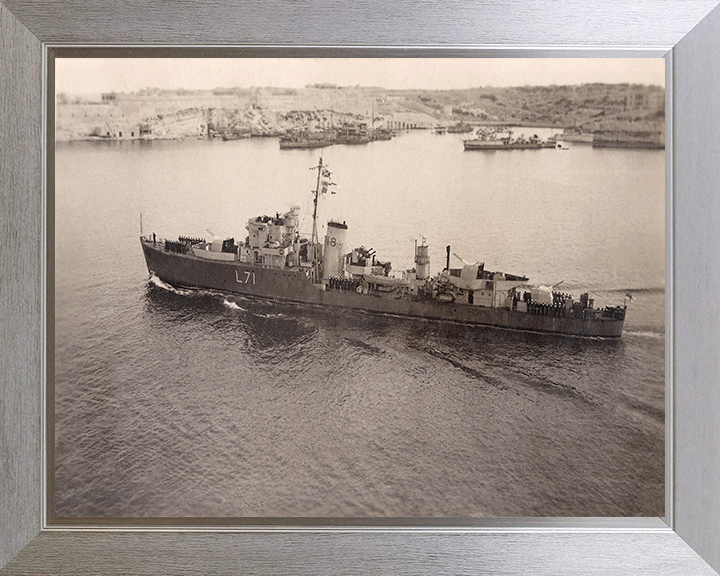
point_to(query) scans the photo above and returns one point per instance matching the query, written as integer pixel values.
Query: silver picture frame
(686, 541)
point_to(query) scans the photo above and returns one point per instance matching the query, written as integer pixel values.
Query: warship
(308, 139)
(276, 262)
(324, 138)
(492, 142)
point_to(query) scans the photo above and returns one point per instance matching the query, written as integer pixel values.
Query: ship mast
(321, 187)
(315, 241)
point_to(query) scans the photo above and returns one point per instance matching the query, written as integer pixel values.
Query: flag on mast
(325, 183)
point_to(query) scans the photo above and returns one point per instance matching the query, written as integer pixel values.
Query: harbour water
(172, 402)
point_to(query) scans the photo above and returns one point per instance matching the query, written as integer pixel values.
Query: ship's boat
(275, 261)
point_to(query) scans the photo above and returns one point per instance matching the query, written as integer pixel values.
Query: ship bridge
(274, 241)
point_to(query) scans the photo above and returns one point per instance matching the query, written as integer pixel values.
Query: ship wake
(165, 286)
(232, 305)
(261, 315)
(235, 306)
(645, 334)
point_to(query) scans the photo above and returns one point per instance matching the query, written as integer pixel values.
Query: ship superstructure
(276, 261)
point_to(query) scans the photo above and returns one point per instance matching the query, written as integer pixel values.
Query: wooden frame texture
(686, 542)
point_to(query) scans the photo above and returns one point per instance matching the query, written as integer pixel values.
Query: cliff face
(265, 122)
(244, 121)
(190, 122)
(110, 123)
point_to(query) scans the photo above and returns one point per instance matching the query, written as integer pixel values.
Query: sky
(97, 75)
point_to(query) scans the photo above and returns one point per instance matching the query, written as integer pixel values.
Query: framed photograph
(588, 361)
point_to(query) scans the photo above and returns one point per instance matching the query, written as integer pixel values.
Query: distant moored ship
(492, 142)
(638, 140)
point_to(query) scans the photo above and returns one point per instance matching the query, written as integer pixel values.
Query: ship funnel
(334, 252)
(422, 261)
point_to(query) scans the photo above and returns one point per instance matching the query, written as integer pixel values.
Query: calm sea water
(172, 402)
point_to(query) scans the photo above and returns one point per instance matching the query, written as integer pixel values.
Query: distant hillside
(157, 113)
(587, 106)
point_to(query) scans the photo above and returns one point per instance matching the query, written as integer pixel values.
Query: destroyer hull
(293, 285)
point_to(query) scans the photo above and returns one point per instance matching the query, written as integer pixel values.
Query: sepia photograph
(358, 287)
